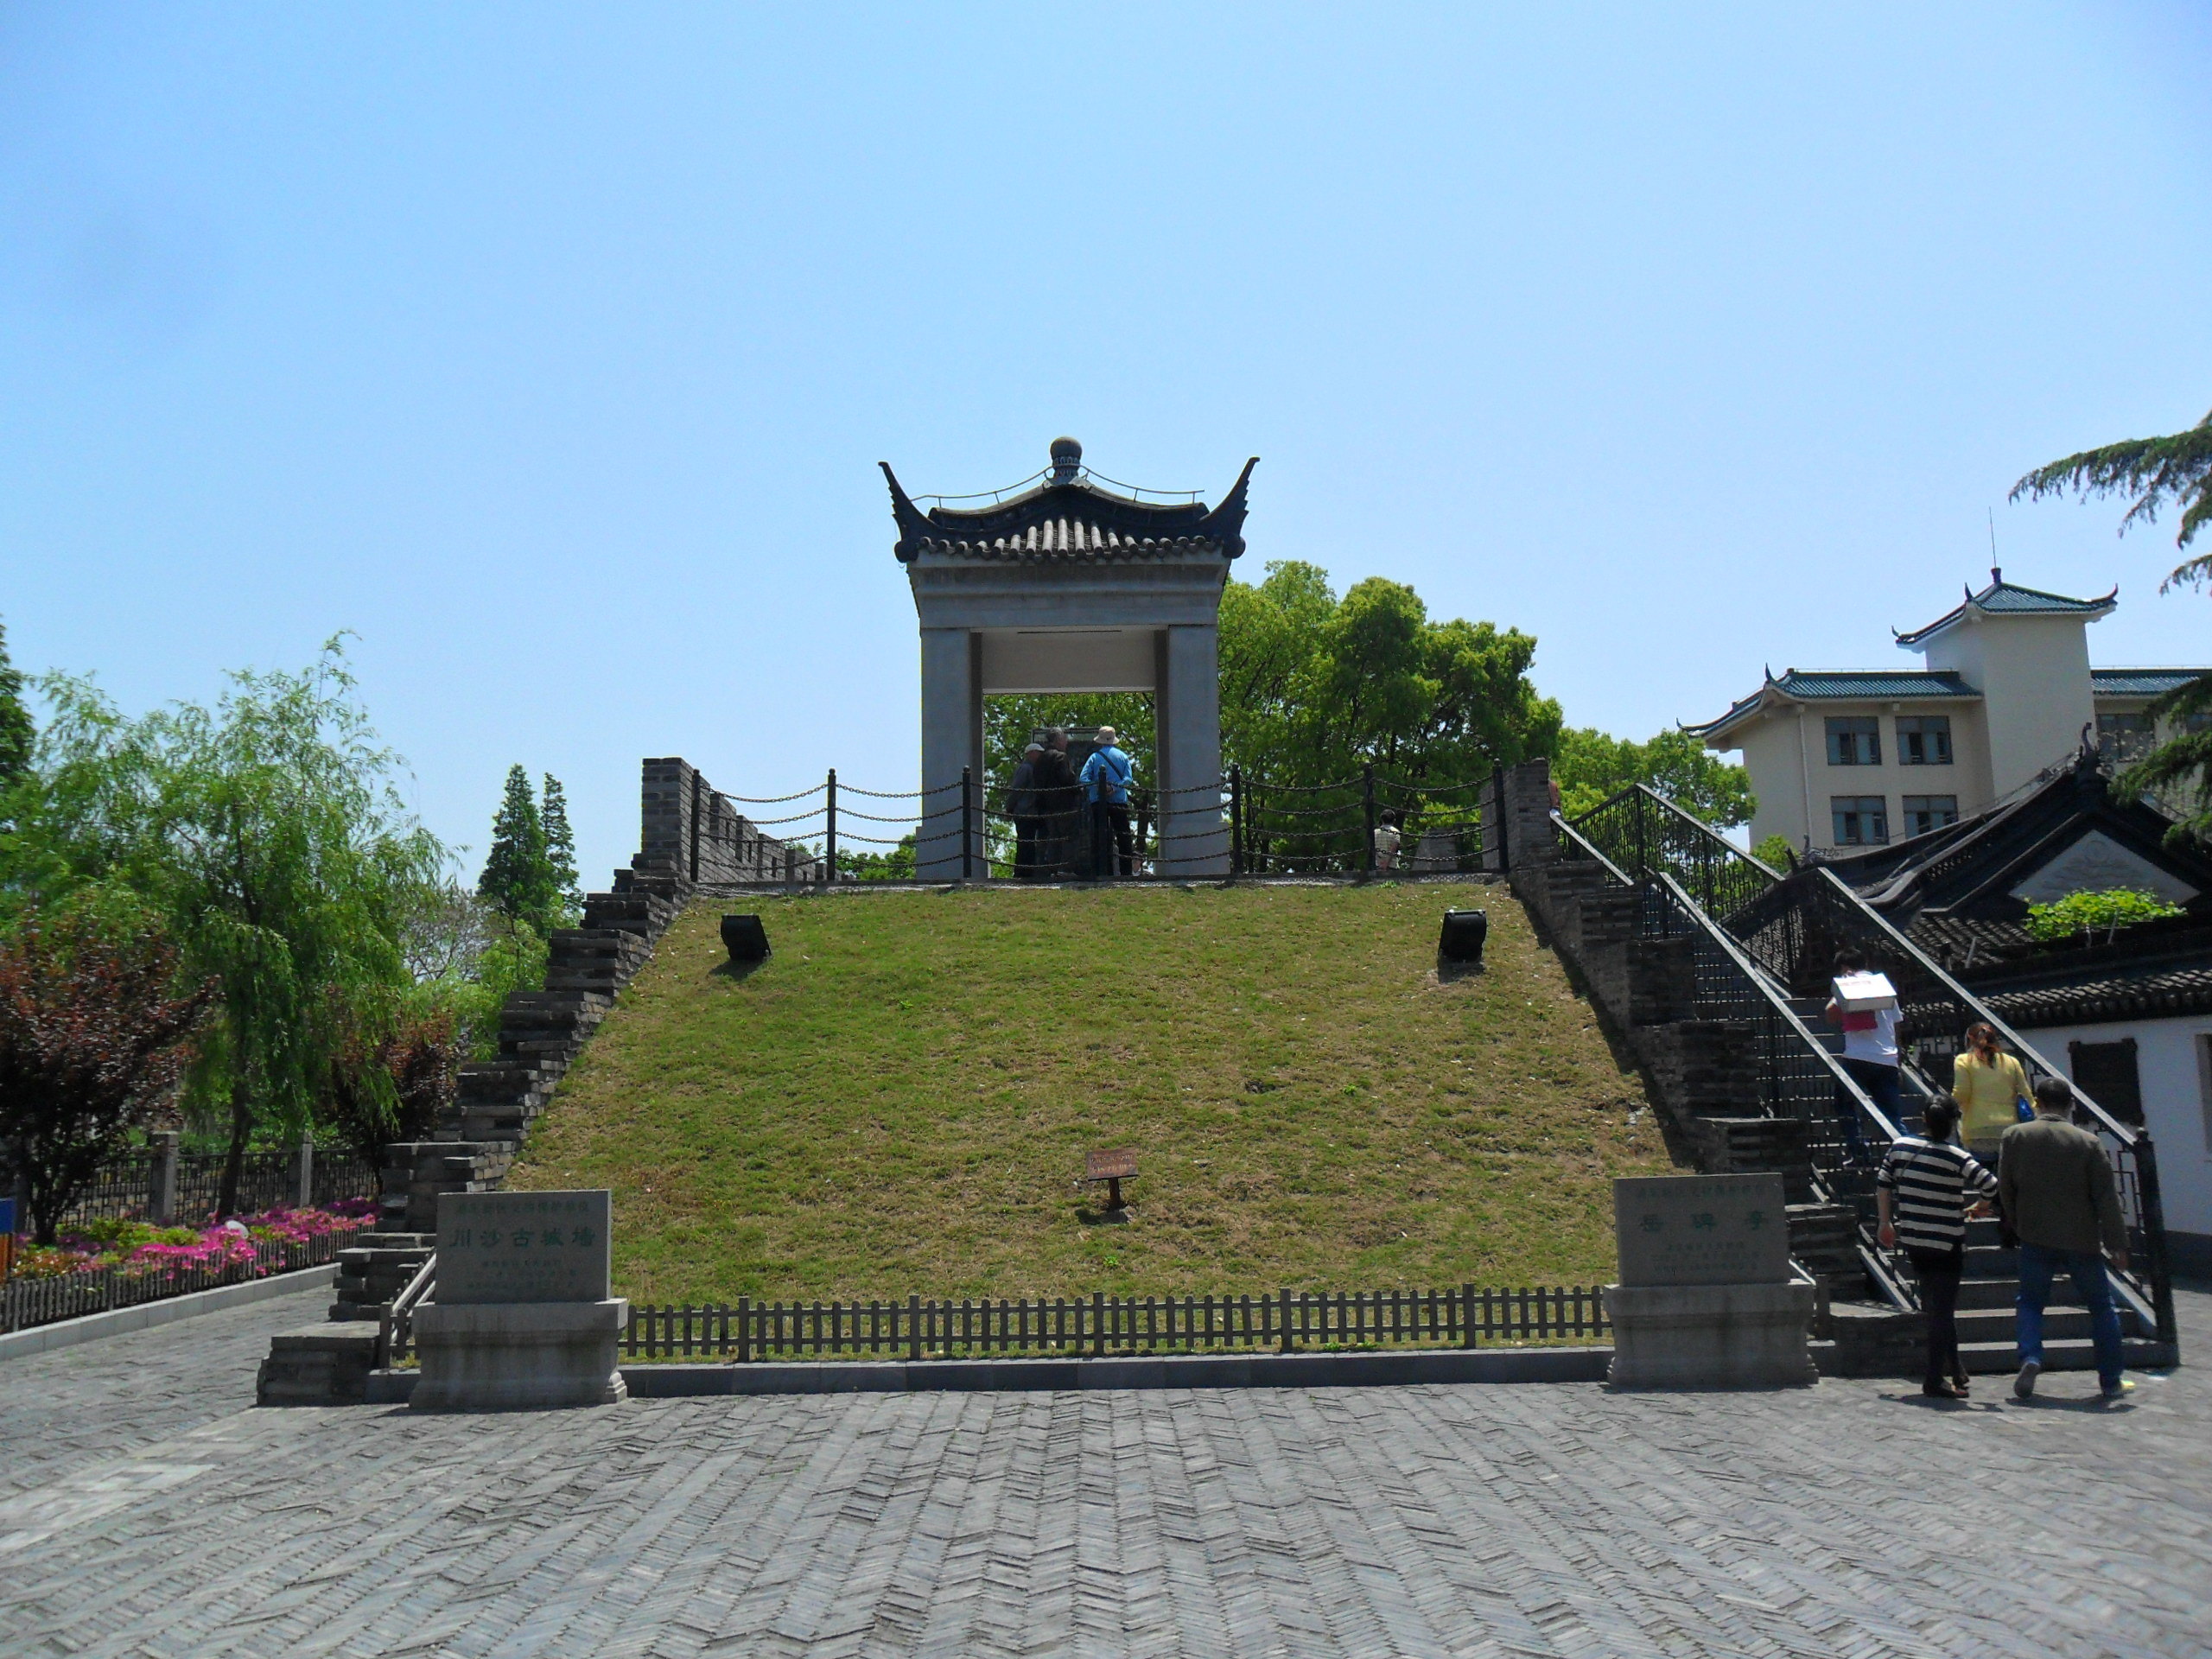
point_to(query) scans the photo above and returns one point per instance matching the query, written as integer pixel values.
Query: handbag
(2021, 1111)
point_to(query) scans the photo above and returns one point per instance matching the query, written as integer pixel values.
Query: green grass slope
(899, 1100)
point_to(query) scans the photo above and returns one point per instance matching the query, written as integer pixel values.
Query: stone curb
(1180, 1371)
(68, 1333)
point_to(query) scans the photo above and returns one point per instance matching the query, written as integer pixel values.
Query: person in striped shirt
(1923, 1194)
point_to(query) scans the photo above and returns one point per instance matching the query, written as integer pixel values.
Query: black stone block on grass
(744, 939)
(1463, 936)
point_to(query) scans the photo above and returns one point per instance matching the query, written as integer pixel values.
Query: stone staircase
(328, 1364)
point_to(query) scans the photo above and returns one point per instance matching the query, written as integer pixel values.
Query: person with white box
(1864, 1007)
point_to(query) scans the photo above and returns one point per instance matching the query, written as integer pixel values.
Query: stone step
(2066, 1354)
(326, 1364)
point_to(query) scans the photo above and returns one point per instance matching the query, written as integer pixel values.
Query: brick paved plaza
(146, 1508)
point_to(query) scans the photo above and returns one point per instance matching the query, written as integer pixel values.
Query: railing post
(303, 1166)
(1237, 820)
(829, 843)
(1497, 805)
(967, 823)
(161, 1197)
(1367, 813)
(2155, 1271)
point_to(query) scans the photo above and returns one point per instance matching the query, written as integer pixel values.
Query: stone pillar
(952, 739)
(1193, 819)
(161, 1197)
(303, 1168)
(1529, 838)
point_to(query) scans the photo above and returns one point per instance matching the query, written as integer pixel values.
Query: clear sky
(551, 348)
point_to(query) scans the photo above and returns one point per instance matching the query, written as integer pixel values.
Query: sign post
(1707, 1298)
(522, 1318)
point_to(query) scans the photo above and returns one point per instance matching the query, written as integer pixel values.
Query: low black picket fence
(1467, 1316)
(27, 1302)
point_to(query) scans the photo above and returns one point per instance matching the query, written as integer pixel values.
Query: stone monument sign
(1706, 1296)
(520, 1316)
(1701, 1230)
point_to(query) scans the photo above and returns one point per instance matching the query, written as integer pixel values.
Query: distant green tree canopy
(2104, 912)
(1314, 687)
(530, 871)
(2171, 471)
(1591, 767)
(267, 836)
(17, 734)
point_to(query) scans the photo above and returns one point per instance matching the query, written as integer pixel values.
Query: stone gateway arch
(1065, 586)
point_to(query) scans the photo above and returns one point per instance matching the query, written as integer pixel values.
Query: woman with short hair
(1923, 1196)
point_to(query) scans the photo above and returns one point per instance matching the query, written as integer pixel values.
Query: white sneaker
(2023, 1385)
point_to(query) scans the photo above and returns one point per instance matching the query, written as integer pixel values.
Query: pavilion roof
(1069, 517)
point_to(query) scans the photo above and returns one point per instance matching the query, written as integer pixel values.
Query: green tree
(1591, 767)
(268, 834)
(520, 880)
(1313, 687)
(560, 847)
(2174, 471)
(17, 734)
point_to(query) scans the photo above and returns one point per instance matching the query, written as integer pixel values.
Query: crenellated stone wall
(690, 837)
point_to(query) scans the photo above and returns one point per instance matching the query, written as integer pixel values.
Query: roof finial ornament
(1996, 575)
(1067, 460)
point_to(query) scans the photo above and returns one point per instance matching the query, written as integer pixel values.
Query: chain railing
(1238, 824)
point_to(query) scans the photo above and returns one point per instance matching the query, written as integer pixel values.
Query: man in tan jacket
(2056, 1185)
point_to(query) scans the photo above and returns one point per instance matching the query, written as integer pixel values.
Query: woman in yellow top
(1988, 1084)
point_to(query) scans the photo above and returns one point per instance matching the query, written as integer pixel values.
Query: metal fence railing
(1782, 935)
(127, 1188)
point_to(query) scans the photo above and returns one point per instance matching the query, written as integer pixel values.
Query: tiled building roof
(1816, 684)
(2178, 991)
(2141, 682)
(2002, 598)
(1068, 519)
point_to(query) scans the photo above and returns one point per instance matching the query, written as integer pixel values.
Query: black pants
(1113, 840)
(1939, 1271)
(1028, 847)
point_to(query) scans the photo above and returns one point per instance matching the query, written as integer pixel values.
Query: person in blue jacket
(1106, 777)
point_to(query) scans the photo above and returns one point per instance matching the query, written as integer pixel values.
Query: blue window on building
(1854, 741)
(1926, 812)
(1860, 820)
(1924, 740)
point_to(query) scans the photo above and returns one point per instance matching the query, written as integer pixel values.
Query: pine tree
(518, 881)
(560, 845)
(15, 728)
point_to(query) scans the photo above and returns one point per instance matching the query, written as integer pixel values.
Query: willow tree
(269, 835)
(2174, 471)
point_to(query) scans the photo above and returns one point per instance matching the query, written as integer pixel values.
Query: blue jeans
(2038, 1267)
(1883, 1087)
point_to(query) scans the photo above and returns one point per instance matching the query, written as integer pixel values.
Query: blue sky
(551, 348)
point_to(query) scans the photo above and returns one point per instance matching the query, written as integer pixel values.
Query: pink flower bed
(137, 1247)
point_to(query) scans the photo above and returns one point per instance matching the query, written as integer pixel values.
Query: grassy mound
(899, 1100)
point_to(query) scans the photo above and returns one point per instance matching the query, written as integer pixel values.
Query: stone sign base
(1710, 1336)
(518, 1355)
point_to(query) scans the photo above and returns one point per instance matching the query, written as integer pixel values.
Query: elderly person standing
(1106, 779)
(1990, 1086)
(2056, 1185)
(1021, 807)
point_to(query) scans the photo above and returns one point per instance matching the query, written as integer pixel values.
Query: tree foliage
(92, 1041)
(17, 733)
(1591, 767)
(530, 873)
(268, 835)
(1314, 687)
(2172, 471)
(393, 1083)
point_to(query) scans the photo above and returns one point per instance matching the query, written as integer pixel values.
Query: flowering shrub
(140, 1247)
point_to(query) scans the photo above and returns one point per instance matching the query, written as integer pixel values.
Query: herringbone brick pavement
(1852, 1519)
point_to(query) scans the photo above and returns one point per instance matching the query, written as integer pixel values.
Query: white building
(1845, 759)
